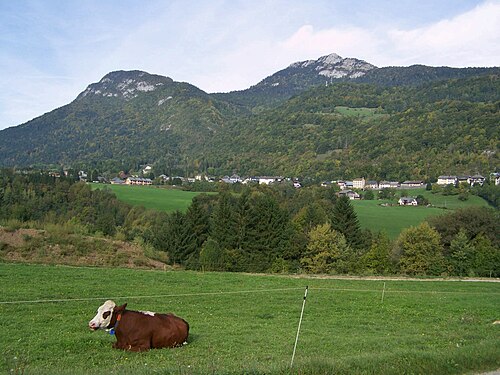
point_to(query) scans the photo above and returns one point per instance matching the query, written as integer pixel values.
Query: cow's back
(170, 331)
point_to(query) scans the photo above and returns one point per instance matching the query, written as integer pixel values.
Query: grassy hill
(162, 199)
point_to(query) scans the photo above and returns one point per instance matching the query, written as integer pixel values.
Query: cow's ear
(120, 308)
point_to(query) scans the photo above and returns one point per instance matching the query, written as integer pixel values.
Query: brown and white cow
(140, 330)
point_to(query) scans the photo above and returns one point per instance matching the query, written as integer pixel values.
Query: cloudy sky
(50, 50)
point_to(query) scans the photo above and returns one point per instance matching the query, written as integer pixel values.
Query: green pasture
(243, 323)
(445, 201)
(371, 214)
(154, 197)
(391, 219)
(358, 112)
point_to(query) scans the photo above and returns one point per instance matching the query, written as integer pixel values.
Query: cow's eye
(106, 314)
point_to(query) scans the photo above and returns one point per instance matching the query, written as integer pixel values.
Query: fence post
(383, 293)
(298, 329)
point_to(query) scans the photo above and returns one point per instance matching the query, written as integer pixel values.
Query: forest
(261, 229)
(340, 131)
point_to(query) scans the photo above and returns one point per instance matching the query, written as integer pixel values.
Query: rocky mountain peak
(125, 84)
(335, 66)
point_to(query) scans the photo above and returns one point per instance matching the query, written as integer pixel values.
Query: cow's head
(103, 316)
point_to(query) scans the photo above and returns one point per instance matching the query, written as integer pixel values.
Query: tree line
(262, 229)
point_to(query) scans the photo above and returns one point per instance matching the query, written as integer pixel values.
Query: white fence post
(298, 329)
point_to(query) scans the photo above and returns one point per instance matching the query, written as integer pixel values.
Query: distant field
(361, 112)
(393, 219)
(371, 214)
(247, 323)
(157, 198)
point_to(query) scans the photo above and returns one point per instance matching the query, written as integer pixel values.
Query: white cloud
(347, 42)
(469, 39)
(219, 45)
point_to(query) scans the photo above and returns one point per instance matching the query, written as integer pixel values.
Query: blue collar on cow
(118, 318)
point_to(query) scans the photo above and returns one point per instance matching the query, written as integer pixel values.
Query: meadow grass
(158, 198)
(371, 214)
(392, 218)
(359, 112)
(244, 323)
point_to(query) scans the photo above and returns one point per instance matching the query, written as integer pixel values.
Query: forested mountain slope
(399, 132)
(340, 130)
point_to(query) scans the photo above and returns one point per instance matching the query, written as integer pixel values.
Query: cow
(140, 330)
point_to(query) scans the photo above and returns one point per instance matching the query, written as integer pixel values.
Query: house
(407, 201)
(231, 180)
(477, 179)
(388, 185)
(266, 180)
(117, 181)
(495, 178)
(251, 180)
(327, 183)
(147, 169)
(412, 184)
(82, 176)
(463, 179)
(447, 180)
(138, 181)
(372, 185)
(297, 184)
(350, 194)
(358, 183)
(345, 185)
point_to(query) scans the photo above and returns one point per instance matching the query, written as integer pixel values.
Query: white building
(447, 180)
(358, 183)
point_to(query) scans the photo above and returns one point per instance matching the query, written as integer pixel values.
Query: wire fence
(382, 290)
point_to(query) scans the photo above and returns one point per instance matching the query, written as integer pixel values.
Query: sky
(51, 50)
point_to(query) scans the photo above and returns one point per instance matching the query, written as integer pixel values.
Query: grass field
(247, 323)
(391, 219)
(359, 112)
(371, 215)
(162, 199)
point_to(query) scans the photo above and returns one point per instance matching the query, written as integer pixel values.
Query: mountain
(303, 75)
(131, 116)
(395, 122)
(298, 77)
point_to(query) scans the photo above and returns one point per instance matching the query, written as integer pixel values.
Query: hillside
(130, 117)
(396, 122)
(402, 133)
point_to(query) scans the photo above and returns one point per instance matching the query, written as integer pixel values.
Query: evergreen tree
(461, 254)
(197, 222)
(224, 227)
(213, 257)
(268, 235)
(345, 221)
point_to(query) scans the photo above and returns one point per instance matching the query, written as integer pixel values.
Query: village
(348, 188)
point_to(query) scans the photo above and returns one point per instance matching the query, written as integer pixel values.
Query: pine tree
(224, 227)
(197, 222)
(461, 254)
(345, 221)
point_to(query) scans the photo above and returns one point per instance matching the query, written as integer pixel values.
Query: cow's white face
(103, 316)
